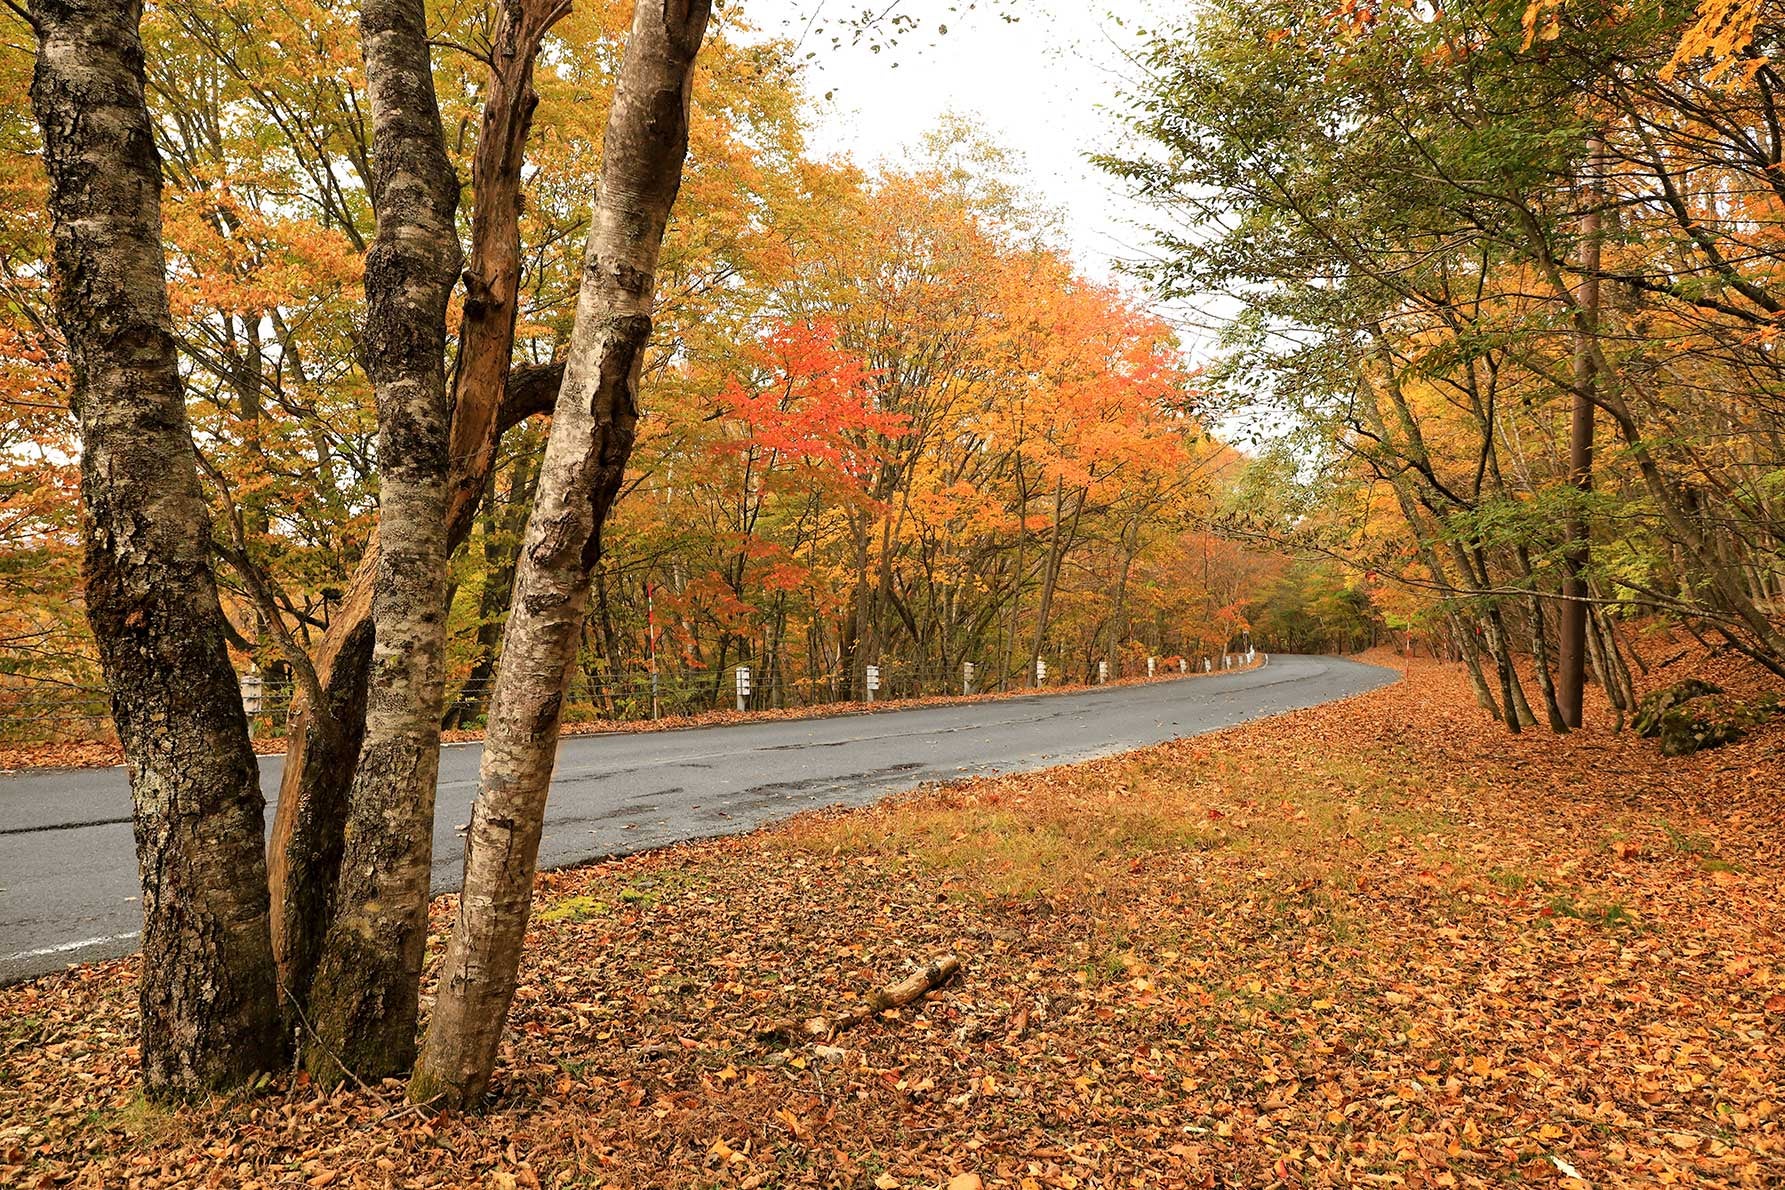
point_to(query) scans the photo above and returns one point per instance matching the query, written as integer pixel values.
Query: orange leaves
(1241, 1009)
(1721, 32)
(810, 403)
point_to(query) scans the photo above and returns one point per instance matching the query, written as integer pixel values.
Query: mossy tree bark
(488, 398)
(209, 1015)
(363, 1001)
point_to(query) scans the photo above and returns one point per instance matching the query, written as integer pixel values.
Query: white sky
(1046, 86)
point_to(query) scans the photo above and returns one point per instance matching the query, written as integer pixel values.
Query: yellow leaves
(966, 1181)
(720, 1152)
(1720, 32)
(1541, 21)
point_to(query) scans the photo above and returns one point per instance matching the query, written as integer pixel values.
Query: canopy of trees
(886, 421)
(1451, 243)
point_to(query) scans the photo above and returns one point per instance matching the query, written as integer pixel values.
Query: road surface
(68, 886)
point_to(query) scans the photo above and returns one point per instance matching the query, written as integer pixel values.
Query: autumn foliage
(887, 423)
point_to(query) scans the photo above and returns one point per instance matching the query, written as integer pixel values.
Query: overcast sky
(1045, 86)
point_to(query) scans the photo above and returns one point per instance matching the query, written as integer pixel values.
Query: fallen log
(913, 987)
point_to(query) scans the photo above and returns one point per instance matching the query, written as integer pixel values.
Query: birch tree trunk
(363, 1001)
(593, 426)
(209, 1016)
(488, 398)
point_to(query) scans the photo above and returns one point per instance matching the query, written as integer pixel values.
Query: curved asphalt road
(68, 887)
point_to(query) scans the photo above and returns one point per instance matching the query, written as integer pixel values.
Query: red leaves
(810, 405)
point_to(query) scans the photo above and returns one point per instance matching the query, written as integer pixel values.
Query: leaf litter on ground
(1375, 943)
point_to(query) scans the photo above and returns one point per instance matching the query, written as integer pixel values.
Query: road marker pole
(743, 686)
(966, 678)
(873, 681)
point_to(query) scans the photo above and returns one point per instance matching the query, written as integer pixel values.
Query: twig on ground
(913, 987)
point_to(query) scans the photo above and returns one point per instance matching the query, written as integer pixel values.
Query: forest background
(889, 421)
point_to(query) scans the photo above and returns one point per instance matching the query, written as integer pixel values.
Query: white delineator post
(1152, 665)
(1184, 666)
(1040, 672)
(743, 686)
(966, 678)
(873, 681)
(651, 646)
(1102, 672)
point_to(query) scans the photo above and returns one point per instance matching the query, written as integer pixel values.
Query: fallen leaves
(1331, 948)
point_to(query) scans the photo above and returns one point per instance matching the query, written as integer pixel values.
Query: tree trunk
(363, 1002)
(1572, 630)
(592, 433)
(209, 1014)
(488, 399)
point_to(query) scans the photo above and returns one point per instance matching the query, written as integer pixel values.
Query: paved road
(68, 868)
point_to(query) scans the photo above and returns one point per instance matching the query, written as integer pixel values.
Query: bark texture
(489, 397)
(209, 1017)
(363, 1001)
(1572, 629)
(593, 425)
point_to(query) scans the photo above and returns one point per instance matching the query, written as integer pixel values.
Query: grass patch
(572, 909)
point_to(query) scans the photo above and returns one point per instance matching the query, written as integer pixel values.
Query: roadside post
(1102, 672)
(1040, 672)
(1152, 664)
(966, 678)
(873, 681)
(743, 686)
(253, 697)
(651, 647)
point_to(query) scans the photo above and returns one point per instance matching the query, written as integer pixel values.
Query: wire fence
(45, 712)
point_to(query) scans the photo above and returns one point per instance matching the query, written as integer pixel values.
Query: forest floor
(1375, 943)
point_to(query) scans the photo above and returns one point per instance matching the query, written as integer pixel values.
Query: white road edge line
(65, 947)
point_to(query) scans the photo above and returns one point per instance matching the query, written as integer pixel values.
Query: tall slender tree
(1571, 675)
(593, 426)
(488, 398)
(363, 1002)
(209, 1016)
